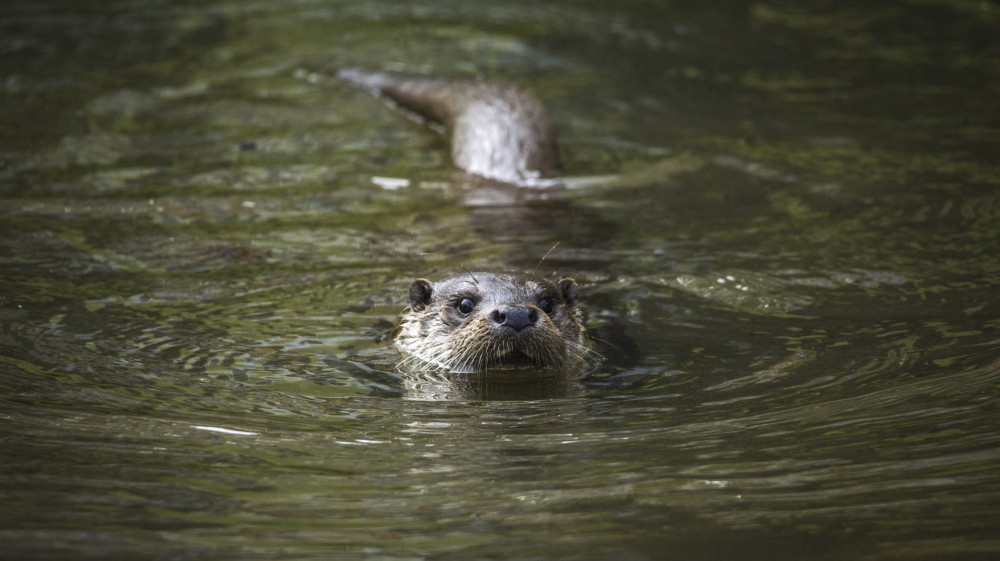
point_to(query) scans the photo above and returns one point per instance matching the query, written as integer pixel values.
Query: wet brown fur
(498, 130)
(435, 335)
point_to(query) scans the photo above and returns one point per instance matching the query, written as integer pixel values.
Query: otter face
(484, 321)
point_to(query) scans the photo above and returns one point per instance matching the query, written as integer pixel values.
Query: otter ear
(420, 294)
(568, 289)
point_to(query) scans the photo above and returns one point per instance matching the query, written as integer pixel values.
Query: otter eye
(466, 306)
(545, 304)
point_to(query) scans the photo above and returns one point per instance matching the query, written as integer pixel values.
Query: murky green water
(199, 279)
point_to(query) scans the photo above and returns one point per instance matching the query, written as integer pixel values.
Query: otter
(480, 322)
(498, 131)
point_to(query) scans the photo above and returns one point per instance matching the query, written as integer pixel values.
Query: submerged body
(478, 322)
(498, 131)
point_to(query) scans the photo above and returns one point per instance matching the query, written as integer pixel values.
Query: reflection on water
(784, 219)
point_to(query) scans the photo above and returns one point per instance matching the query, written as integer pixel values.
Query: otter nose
(515, 317)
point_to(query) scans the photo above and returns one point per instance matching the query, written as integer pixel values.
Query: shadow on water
(783, 220)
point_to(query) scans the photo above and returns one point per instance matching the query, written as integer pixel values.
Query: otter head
(485, 321)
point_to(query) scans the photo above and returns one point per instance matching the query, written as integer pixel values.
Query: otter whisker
(535, 271)
(472, 276)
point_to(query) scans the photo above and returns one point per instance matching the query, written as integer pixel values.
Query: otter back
(498, 131)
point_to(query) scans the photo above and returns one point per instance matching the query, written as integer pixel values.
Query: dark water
(199, 277)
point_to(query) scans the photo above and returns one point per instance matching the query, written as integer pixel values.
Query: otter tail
(431, 98)
(498, 131)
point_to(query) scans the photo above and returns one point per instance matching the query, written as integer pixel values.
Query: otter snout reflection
(478, 322)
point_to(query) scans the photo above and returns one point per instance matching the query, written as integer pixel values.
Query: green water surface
(791, 211)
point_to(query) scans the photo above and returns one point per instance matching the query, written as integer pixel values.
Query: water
(790, 211)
